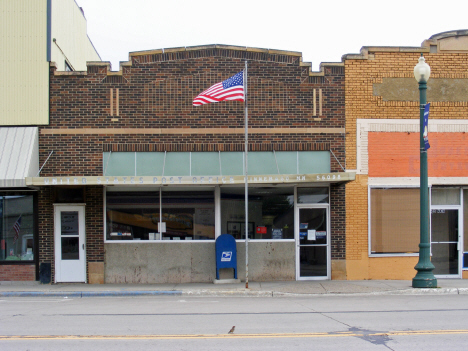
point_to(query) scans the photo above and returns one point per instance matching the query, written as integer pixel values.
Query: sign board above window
(176, 164)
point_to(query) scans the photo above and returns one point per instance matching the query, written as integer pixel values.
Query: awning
(324, 178)
(19, 155)
(207, 168)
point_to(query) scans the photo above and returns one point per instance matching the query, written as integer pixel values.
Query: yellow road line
(229, 336)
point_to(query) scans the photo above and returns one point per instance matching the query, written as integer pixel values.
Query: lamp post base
(424, 280)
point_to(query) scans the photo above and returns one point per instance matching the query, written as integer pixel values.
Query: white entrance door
(70, 255)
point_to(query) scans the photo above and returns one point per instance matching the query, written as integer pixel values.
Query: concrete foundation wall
(194, 262)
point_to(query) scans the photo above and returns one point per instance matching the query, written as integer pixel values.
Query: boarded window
(394, 221)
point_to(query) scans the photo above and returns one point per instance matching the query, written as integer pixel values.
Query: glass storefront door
(445, 242)
(313, 243)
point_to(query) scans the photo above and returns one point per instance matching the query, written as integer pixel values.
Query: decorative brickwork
(379, 84)
(84, 101)
(362, 74)
(92, 112)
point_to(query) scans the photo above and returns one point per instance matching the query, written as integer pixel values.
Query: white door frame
(68, 271)
(459, 208)
(297, 237)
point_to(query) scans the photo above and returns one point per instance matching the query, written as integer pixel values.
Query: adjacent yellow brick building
(382, 96)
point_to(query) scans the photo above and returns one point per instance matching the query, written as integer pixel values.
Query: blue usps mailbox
(226, 254)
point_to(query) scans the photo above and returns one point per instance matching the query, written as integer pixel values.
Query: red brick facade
(147, 106)
(17, 272)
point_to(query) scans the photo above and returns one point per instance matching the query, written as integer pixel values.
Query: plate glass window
(136, 215)
(16, 228)
(271, 212)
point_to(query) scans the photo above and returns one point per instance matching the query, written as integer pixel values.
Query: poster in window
(277, 233)
(69, 222)
(311, 234)
(321, 234)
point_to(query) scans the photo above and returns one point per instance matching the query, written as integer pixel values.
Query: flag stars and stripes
(16, 228)
(230, 89)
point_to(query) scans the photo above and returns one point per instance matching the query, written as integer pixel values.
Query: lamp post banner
(426, 122)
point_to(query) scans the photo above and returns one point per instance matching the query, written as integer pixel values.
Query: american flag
(230, 89)
(16, 228)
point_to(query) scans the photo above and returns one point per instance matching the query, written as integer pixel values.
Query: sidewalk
(256, 289)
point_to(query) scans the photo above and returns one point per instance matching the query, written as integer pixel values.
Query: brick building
(382, 145)
(34, 33)
(140, 183)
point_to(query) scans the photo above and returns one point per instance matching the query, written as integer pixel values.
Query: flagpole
(246, 121)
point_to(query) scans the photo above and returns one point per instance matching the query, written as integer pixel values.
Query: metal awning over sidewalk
(337, 177)
(207, 168)
(19, 155)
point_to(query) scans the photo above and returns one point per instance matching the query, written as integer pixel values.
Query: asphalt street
(319, 322)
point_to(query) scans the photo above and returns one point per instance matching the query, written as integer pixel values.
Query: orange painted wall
(397, 154)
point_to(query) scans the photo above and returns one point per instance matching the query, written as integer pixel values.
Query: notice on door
(69, 222)
(311, 234)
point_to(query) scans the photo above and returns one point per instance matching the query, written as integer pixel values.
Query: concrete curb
(432, 291)
(227, 293)
(81, 294)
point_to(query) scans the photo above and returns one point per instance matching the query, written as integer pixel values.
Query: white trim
(414, 181)
(297, 209)
(130, 181)
(217, 206)
(77, 266)
(460, 210)
(129, 242)
(104, 213)
(369, 234)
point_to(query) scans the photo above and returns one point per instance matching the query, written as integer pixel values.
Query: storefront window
(445, 196)
(271, 212)
(312, 195)
(394, 227)
(135, 215)
(16, 228)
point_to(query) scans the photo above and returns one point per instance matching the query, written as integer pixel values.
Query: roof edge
(215, 46)
(368, 50)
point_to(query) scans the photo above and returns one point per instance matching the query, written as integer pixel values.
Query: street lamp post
(424, 277)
